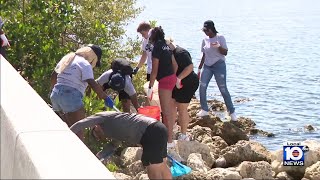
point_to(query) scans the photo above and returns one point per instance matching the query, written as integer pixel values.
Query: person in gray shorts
(133, 129)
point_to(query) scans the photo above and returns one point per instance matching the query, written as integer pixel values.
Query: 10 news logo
(294, 154)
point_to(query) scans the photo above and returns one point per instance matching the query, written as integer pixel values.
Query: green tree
(42, 32)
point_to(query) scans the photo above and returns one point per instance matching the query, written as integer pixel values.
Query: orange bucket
(150, 111)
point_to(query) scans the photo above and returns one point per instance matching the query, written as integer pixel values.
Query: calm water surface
(273, 58)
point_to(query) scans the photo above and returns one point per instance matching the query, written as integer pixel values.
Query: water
(273, 58)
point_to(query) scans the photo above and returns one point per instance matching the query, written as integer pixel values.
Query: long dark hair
(156, 34)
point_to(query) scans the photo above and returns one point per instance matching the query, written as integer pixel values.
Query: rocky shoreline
(222, 150)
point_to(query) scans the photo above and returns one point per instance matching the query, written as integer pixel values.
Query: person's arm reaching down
(97, 88)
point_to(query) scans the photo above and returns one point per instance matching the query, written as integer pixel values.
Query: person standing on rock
(186, 85)
(214, 49)
(144, 29)
(164, 68)
(133, 129)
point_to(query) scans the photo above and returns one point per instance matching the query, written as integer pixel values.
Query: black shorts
(154, 144)
(123, 95)
(185, 94)
(148, 77)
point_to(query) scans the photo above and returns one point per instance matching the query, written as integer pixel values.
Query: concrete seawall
(35, 143)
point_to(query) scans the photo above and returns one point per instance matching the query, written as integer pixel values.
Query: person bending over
(133, 129)
(186, 85)
(123, 85)
(70, 78)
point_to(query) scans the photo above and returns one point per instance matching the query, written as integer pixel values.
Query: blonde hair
(85, 52)
(170, 41)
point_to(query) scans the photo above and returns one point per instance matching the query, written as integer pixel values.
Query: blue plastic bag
(177, 168)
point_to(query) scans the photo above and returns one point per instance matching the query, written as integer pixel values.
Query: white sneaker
(233, 116)
(202, 113)
(183, 137)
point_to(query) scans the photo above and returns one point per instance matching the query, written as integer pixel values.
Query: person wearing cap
(123, 85)
(69, 80)
(214, 49)
(164, 68)
(3, 40)
(186, 85)
(133, 129)
(144, 29)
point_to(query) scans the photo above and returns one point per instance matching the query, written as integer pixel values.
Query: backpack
(121, 66)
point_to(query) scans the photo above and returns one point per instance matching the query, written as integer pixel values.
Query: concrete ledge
(35, 143)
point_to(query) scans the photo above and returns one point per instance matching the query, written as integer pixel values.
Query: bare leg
(159, 171)
(184, 118)
(147, 101)
(174, 111)
(154, 171)
(126, 105)
(74, 117)
(166, 103)
(166, 173)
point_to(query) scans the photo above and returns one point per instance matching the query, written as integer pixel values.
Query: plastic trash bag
(177, 168)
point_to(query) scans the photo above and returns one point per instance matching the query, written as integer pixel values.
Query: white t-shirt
(212, 54)
(76, 74)
(148, 49)
(128, 87)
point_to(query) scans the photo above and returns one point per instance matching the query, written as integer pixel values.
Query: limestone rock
(196, 163)
(244, 151)
(221, 162)
(144, 177)
(134, 168)
(137, 176)
(185, 148)
(260, 149)
(130, 155)
(224, 173)
(205, 135)
(257, 170)
(245, 123)
(283, 176)
(230, 133)
(213, 175)
(122, 176)
(196, 175)
(313, 172)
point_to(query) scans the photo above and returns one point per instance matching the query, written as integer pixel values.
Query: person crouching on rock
(133, 129)
(121, 82)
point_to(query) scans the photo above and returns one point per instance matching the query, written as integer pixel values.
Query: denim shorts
(66, 99)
